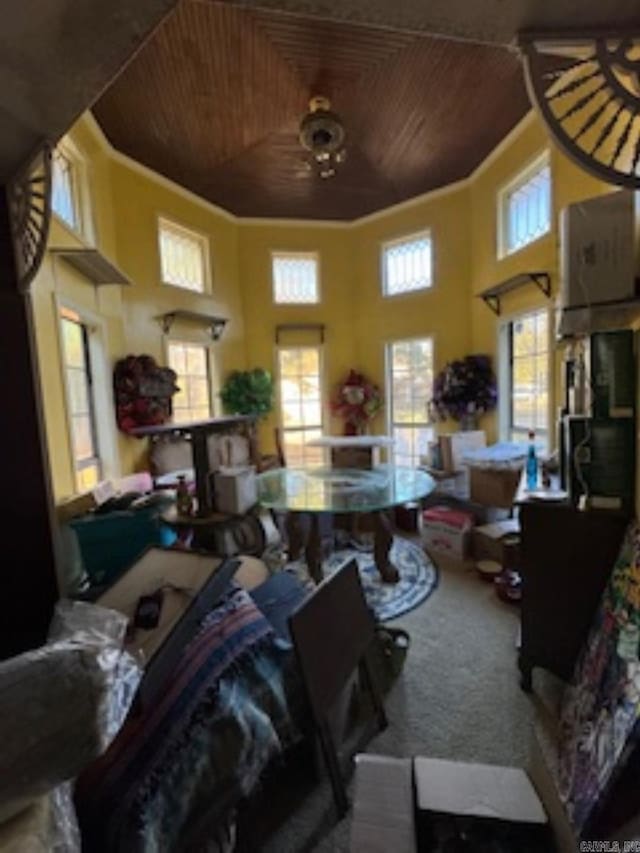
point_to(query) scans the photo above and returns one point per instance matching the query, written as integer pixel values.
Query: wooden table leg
(382, 545)
(295, 535)
(314, 549)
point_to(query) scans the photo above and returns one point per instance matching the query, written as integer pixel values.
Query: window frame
(84, 229)
(304, 254)
(538, 163)
(201, 238)
(398, 241)
(186, 341)
(505, 379)
(323, 407)
(388, 356)
(68, 314)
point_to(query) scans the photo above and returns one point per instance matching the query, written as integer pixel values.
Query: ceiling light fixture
(322, 134)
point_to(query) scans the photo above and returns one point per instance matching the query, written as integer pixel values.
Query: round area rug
(418, 577)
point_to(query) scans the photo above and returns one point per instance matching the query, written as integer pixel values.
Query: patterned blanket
(176, 768)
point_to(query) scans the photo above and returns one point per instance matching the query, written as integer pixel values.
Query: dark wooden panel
(215, 99)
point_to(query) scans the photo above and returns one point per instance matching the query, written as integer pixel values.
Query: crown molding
(128, 162)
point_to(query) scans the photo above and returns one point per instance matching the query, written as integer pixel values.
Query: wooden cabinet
(567, 556)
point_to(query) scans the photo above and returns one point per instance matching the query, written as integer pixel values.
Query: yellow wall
(125, 204)
(127, 200)
(569, 184)
(442, 312)
(336, 311)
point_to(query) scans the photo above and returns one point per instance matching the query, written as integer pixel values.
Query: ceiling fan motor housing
(321, 130)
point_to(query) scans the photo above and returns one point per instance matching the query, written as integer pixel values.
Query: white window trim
(324, 407)
(397, 241)
(82, 200)
(302, 255)
(539, 162)
(388, 374)
(212, 374)
(504, 374)
(188, 231)
(103, 405)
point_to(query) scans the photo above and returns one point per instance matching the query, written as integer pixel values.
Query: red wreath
(357, 401)
(143, 392)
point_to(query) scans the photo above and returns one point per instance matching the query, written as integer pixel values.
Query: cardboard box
(235, 490)
(398, 804)
(382, 818)
(495, 487)
(499, 806)
(454, 445)
(487, 540)
(447, 531)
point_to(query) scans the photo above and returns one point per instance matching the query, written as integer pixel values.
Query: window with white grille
(526, 366)
(409, 393)
(407, 264)
(64, 196)
(525, 207)
(191, 363)
(295, 277)
(184, 256)
(299, 386)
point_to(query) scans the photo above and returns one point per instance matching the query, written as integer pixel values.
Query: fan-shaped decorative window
(587, 90)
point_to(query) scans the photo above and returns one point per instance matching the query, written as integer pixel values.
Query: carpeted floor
(458, 698)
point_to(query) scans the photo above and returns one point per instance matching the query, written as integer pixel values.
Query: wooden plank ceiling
(214, 100)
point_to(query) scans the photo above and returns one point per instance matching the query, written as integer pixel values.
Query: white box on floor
(447, 531)
(235, 489)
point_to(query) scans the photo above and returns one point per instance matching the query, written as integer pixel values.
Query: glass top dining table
(313, 491)
(337, 490)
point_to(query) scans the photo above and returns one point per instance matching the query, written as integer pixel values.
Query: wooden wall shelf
(92, 264)
(492, 295)
(215, 324)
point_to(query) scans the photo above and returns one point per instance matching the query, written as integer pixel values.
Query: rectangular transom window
(525, 207)
(80, 402)
(295, 277)
(184, 256)
(299, 381)
(407, 264)
(409, 392)
(527, 345)
(191, 363)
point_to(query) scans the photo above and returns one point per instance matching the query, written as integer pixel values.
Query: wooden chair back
(331, 633)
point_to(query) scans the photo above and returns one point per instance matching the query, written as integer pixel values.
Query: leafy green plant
(248, 392)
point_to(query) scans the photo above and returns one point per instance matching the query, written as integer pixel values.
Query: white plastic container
(235, 489)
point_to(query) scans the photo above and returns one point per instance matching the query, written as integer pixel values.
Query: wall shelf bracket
(492, 295)
(214, 324)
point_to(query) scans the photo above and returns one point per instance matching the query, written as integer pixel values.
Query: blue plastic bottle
(532, 464)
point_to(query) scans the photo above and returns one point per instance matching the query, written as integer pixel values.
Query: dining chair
(331, 633)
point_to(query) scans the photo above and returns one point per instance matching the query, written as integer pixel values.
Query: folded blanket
(176, 768)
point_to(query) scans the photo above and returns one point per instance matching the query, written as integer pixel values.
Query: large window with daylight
(65, 200)
(299, 385)
(184, 256)
(191, 363)
(409, 391)
(525, 207)
(527, 344)
(407, 264)
(295, 278)
(80, 400)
